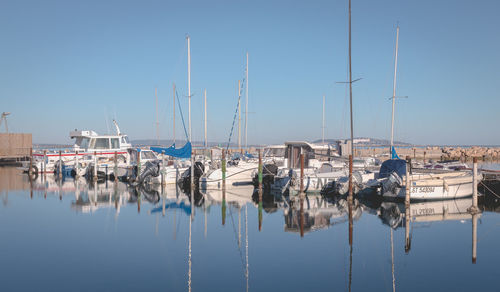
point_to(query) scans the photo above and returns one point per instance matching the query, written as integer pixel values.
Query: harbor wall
(435, 153)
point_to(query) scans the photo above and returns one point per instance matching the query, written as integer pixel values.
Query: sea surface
(78, 236)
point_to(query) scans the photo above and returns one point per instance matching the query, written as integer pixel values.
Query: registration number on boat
(422, 189)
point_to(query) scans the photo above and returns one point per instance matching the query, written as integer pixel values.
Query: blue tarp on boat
(184, 152)
(393, 165)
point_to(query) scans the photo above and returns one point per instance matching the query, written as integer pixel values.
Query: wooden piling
(44, 162)
(192, 169)
(77, 166)
(30, 168)
(138, 162)
(115, 170)
(60, 164)
(350, 179)
(407, 188)
(474, 185)
(301, 173)
(95, 166)
(425, 152)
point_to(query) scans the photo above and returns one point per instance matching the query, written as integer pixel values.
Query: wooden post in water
(415, 154)
(138, 163)
(44, 162)
(350, 179)
(301, 195)
(60, 164)
(301, 173)
(77, 166)
(474, 185)
(95, 166)
(30, 168)
(424, 156)
(260, 190)
(192, 170)
(115, 171)
(408, 185)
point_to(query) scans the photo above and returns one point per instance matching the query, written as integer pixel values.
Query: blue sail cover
(184, 152)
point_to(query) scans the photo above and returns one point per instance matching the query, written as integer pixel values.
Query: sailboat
(394, 177)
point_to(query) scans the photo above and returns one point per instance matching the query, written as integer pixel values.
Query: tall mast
(323, 128)
(189, 84)
(174, 109)
(239, 115)
(394, 87)
(246, 106)
(206, 141)
(350, 85)
(157, 123)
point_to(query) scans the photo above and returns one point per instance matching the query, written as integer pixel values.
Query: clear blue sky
(76, 64)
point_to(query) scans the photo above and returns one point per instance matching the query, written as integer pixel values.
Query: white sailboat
(423, 185)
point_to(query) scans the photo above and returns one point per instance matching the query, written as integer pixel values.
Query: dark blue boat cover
(393, 165)
(184, 152)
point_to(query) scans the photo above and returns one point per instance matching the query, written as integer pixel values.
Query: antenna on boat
(117, 128)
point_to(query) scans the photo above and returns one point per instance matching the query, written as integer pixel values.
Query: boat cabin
(89, 141)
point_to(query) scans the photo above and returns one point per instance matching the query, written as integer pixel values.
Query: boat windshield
(82, 142)
(147, 155)
(274, 152)
(100, 143)
(125, 140)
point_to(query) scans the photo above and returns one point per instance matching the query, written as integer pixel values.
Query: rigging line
(182, 116)
(235, 112)
(236, 237)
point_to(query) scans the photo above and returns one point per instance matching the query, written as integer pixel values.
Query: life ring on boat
(33, 171)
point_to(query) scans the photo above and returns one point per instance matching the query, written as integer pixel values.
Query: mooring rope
(490, 190)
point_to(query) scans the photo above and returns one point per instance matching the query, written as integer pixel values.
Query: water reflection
(233, 211)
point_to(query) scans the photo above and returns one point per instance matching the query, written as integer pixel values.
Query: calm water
(72, 236)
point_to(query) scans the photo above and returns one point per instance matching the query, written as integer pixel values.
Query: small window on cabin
(84, 143)
(102, 143)
(115, 143)
(92, 144)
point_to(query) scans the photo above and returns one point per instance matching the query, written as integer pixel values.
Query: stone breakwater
(436, 153)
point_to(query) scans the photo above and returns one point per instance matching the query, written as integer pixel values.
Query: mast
(157, 123)
(239, 115)
(394, 88)
(350, 87)
(189, 84)
(246, 107)
(206, 141)
(174, 110)
(323, 128)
